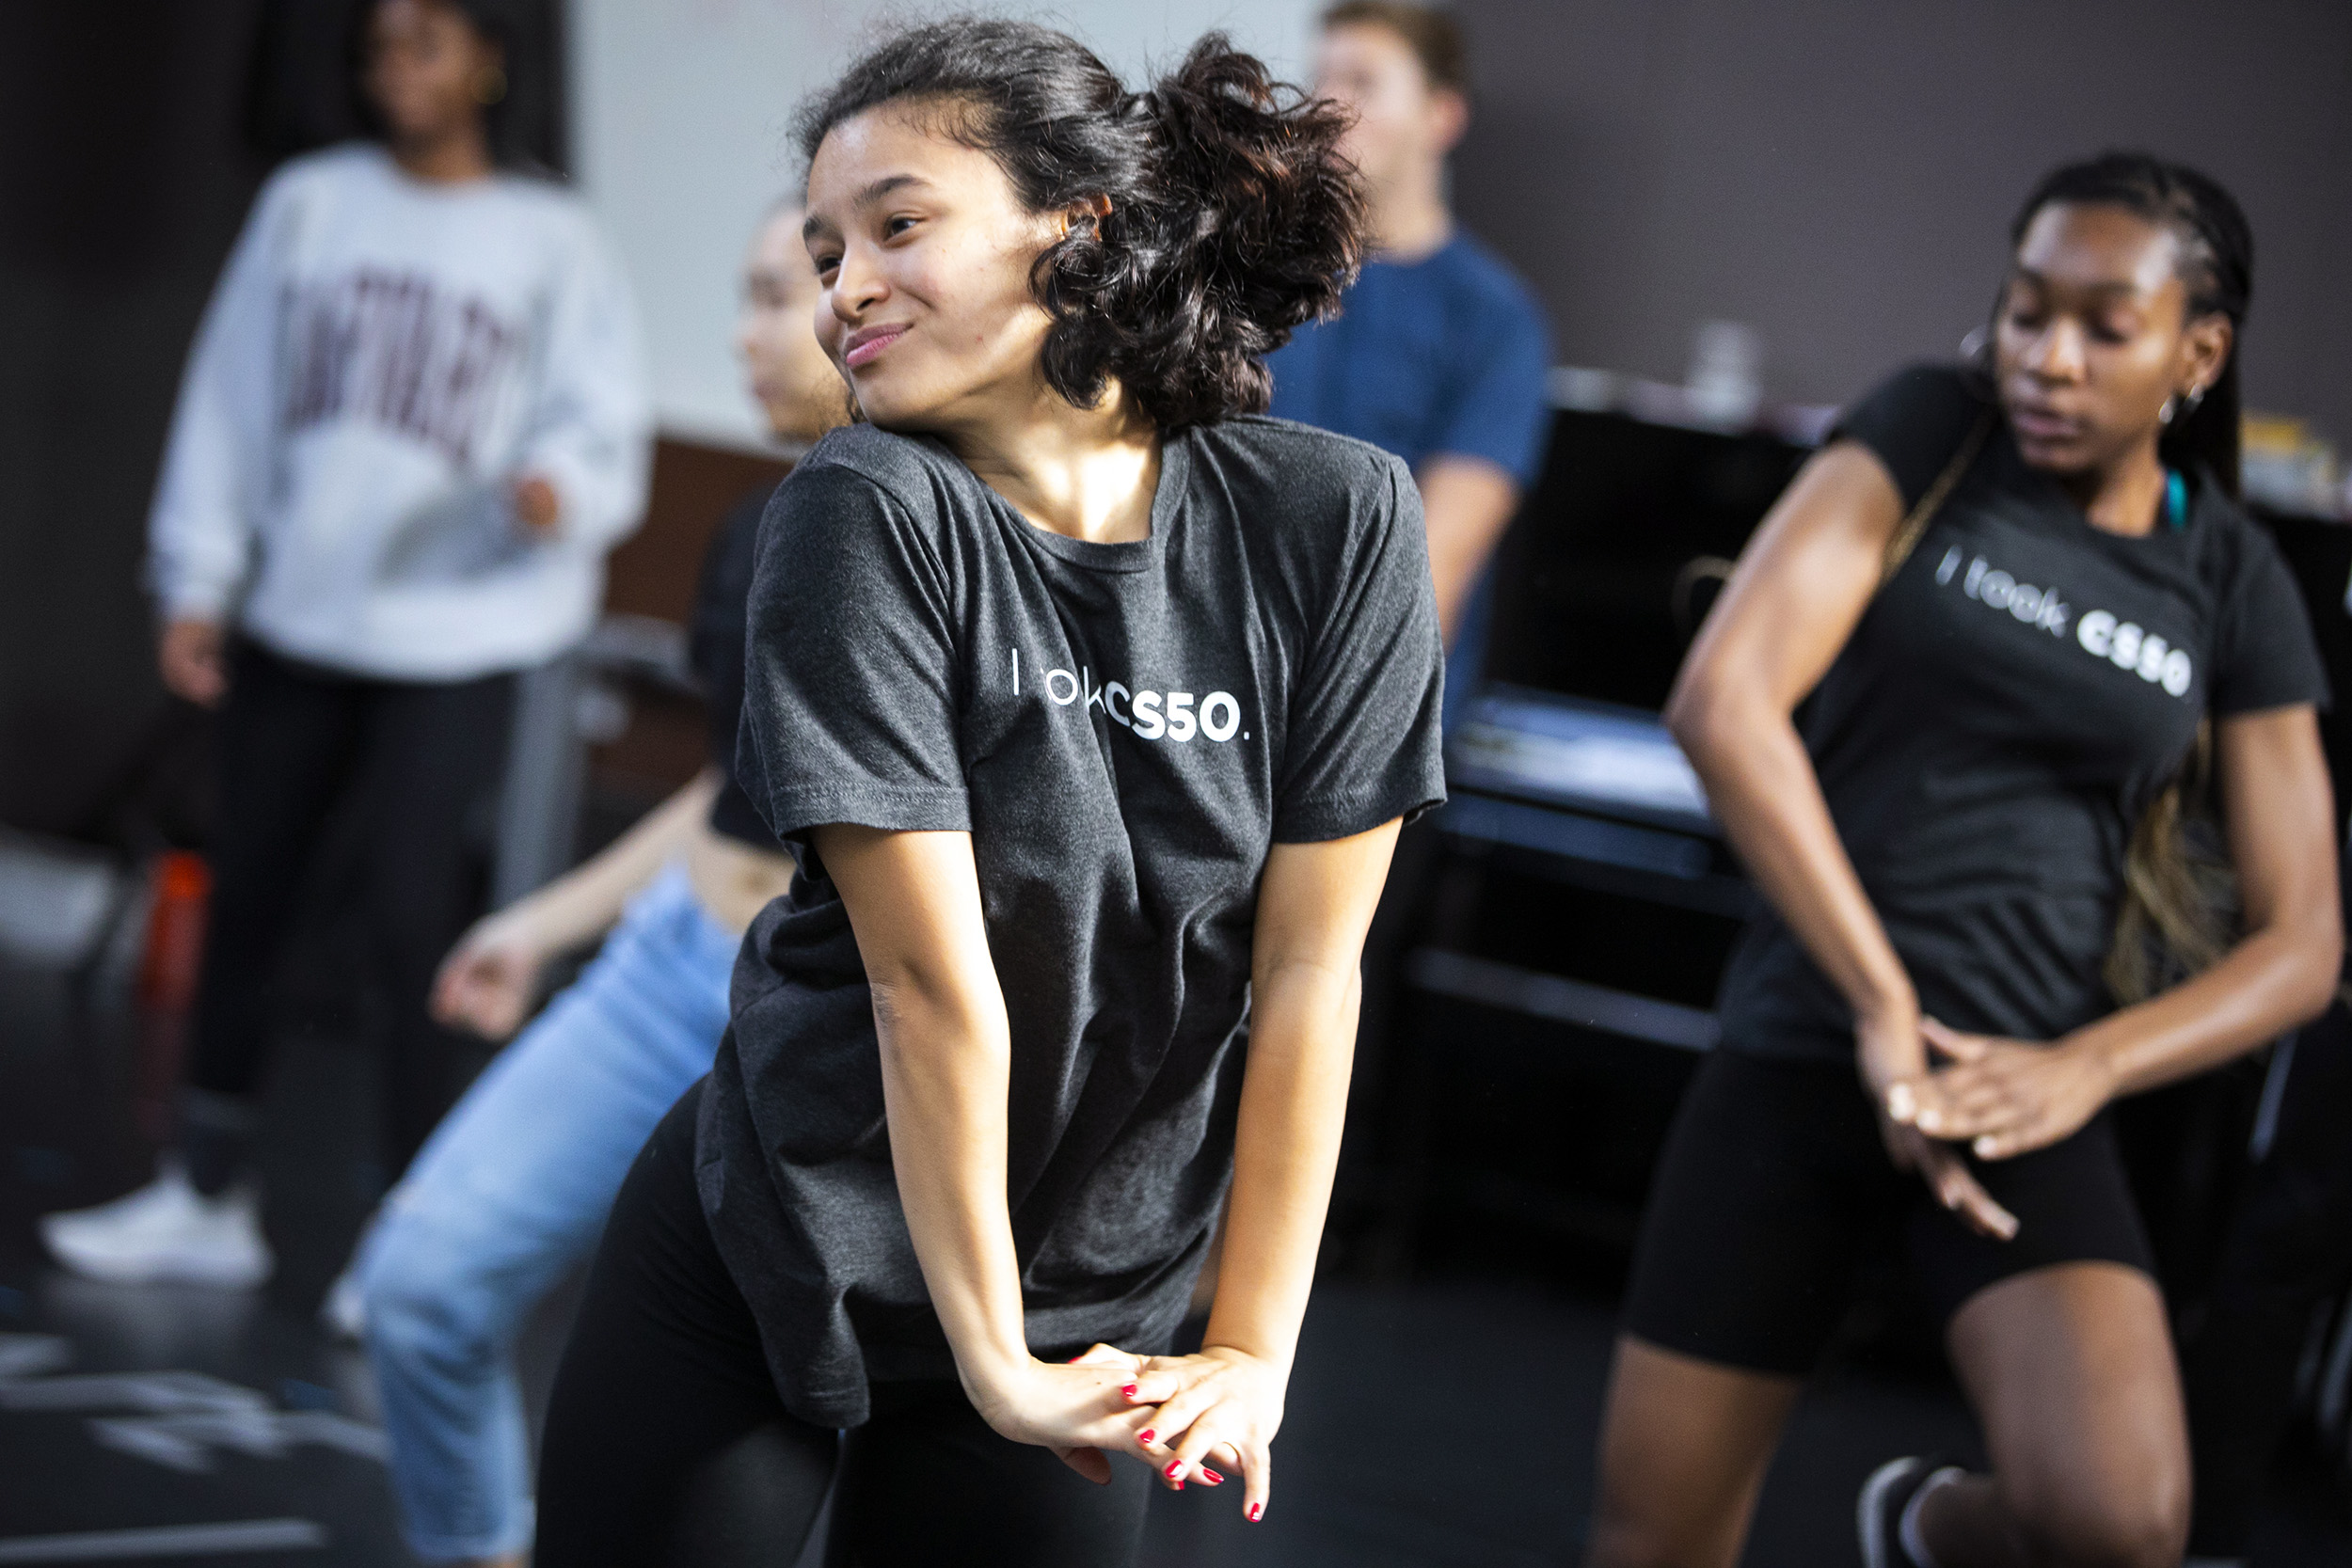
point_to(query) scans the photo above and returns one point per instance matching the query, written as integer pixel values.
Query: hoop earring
(2188, 403)
(489, 86)
(2163, 415)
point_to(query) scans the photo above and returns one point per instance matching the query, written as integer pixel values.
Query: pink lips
(2042, 425)
(867, 341)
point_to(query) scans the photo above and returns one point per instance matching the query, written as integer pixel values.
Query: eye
(827, 263)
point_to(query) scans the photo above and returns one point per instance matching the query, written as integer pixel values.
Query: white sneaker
(165, 1231)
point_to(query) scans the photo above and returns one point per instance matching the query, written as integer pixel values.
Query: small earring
(490, 85)
(2163, 415)
(2196, 395)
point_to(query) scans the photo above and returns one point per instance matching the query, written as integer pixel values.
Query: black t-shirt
(1124, 729)
(2009, 703)
(715, 649)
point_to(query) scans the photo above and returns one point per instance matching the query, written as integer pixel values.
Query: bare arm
(2009, 1096)
(1465, 504)
(2279, 811)
(584, 903)
(491, 977)
(914, 901)
(1314, 904)
(1801, 587)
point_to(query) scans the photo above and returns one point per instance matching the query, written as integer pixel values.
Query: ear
(1086, 213)
(2204, 350)
(1449, 118)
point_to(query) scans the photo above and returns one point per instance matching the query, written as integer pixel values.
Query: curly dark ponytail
(1234, 218)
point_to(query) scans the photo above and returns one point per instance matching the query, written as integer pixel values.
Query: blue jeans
(510, 1191)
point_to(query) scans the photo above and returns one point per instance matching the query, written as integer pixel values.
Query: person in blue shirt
(1440, 352)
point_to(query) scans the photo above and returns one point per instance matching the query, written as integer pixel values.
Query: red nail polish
(1256, 1511)
(1175, 1468)
(1180, 1486)
(1211, 1476)
(1128, 1389)
(1146, 1436)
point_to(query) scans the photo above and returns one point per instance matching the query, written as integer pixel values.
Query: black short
(1776, 1189)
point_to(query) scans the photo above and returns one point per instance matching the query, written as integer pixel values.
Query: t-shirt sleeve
(1501, 409)
(1362, 743)
(1914, 422)
(2264, 655)
(851, 666)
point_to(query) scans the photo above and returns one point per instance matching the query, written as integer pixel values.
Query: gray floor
(1444, 1421)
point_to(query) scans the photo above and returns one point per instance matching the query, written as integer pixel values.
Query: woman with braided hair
(1090, 704)
(2020, 597)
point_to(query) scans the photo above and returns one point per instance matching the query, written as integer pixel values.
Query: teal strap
(2175, 500)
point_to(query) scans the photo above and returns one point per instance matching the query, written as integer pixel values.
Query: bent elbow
(2325, 970)
(1699, 713)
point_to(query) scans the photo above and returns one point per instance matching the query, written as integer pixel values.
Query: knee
(424, 1307)
(1628, 1536)
(2142, 1523)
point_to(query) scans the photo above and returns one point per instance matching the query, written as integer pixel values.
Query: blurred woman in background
(1090, 709)
(412, 424)
(511, 1188)
(2018, 607)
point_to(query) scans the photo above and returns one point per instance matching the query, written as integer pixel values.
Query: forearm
(947, 1077)
(1764, 791)
(2273, 980)
(1467, 504)
(584, 903)
(1293, 1102)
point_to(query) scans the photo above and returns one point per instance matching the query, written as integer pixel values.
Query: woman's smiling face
(924, 251)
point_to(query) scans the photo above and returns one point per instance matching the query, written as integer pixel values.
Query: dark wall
(123, 174)
(1840, 174)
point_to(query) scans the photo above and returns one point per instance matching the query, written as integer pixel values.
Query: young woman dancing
(1091, 708)
(1961, 842)
(510, 1190)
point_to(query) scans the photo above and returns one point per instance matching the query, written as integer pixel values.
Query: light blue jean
(508, 1194)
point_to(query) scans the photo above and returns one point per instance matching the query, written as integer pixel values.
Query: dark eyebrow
(2122, 288)
(813, 224)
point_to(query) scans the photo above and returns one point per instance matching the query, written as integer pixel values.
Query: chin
(2061, 459)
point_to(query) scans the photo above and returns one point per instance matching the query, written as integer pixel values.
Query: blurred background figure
(513, 1189)
(1439, 353)
(412, 424)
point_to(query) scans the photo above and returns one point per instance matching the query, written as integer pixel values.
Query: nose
(858, 284)
(2057, 351)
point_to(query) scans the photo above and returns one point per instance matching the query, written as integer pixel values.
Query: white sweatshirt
(381, 361)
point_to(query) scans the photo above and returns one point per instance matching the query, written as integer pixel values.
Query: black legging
(295, 743)
(666, 1442)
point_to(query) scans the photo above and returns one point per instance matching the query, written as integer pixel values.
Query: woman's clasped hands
(1185, 1415)
(1997, 1098)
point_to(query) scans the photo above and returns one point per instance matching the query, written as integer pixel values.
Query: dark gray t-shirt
(1124, 729)
(2005, 708)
